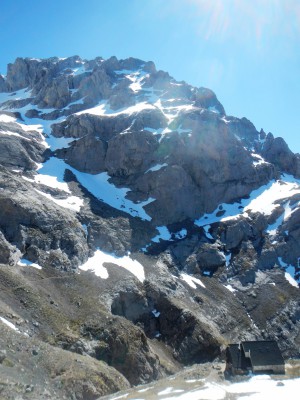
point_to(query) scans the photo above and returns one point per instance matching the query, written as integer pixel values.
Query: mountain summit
(140, 226)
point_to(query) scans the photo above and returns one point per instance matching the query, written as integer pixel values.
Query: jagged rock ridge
(188, 217)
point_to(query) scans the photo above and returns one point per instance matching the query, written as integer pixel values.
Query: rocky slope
(140, 227)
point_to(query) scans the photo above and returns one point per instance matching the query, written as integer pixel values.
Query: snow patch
(272, 229)
(96, 262)
(290, 272)
(156, 313)
(23, 262)
(152, 130)
(258, 159)
(265, 202)
(104, 109)
(230, 288)
(261, 200)
(9, 324)
(191, 281)
(145, 390)
(21, 94)
(9, 133)
(136, 78)
(7, 118)
(157, 167)
(73, 203)
(206, 230)
(172, 112)
(290, 279)
(181, 234)
(51, 181)
(59, 143)
(164, 234)
(99, 186)
(228, 258)
(80, 70)
(213, 109)
(85, 228)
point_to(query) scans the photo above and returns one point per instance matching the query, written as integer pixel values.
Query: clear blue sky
(247, 51)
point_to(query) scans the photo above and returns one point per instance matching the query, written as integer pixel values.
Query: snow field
(260, 387)
(95, 264)
(98, 185)
(261, 200)
(73, 203)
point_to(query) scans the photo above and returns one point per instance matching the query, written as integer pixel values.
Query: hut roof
(263, 352)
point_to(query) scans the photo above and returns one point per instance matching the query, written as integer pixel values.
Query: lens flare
(242, 19)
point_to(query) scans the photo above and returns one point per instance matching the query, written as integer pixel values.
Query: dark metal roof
(263, 352)
(237, 357)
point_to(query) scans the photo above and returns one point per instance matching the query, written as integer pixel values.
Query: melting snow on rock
(96, 264)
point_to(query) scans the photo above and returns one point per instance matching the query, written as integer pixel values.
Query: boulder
(236, 231)
(9, 254)
(205, 258)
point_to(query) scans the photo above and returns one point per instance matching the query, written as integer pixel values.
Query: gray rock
(131, 63)
(235, 232)
(130, 153)
(3, 86)
(55, 94)
(205, 258)
(37, 225)
(124, 346)
(206, 98)
(276, 151)
(149, 66)
(20, 149)
(103, 127)
(9, 254)
(86, 154)
(159, 80)
(19, 74)
(96, 86)
(182, 199)
(121, 99)
(245, 131)
(267, 259)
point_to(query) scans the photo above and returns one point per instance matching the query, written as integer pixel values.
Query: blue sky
(246, 51)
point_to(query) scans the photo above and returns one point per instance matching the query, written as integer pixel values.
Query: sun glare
(244, 19)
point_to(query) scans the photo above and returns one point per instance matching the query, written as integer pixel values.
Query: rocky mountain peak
(160, 227)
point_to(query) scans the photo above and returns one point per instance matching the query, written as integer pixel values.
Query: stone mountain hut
(254, 356)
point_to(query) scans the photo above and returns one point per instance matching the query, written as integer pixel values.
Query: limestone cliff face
(136, 213)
